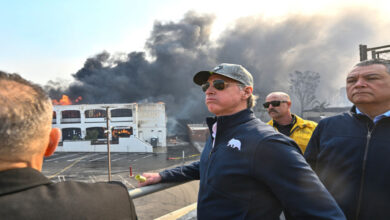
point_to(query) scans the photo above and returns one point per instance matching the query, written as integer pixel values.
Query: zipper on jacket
(213, 145)
(208, 165)
(363, 171)
(212, 151)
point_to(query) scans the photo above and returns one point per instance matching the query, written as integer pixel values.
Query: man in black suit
(26, 137)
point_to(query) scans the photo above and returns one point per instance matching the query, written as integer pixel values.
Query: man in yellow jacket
(278, 106)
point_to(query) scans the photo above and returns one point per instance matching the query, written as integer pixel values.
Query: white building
(133, 127)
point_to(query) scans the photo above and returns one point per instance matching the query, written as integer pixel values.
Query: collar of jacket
(299, 122)
(353, 113)
(361, 117)
(230, 120)
(19, 179)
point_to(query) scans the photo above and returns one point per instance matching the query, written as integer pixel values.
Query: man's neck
(285, 120)
(373, 111)
(11, 166)
(8, 164)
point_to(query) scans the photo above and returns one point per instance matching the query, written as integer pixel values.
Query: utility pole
(363, 52)
(108, 132)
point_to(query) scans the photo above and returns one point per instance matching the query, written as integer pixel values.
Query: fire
(65, 100)
(121, 132)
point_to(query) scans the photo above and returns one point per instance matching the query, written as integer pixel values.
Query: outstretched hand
(151, 178)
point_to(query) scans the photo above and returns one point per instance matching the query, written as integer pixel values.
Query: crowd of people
(248, 169)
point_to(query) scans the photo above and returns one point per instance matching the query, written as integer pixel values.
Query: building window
(70, 114)
(118, 132)
(95, 113)
(71, 134)
(95, 133)
(54, 119)
(121, 112)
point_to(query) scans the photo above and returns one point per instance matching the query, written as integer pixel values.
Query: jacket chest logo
(234, 143)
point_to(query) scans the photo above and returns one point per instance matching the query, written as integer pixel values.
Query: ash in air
(269, 49)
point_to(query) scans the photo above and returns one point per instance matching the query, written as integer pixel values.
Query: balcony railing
(146, 190)
(70, 120)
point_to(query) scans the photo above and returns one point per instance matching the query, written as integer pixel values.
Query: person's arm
(181, 173)
(178, 174)
(279, 164)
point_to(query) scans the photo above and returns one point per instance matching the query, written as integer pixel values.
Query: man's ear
(55, 135)
(248, 91)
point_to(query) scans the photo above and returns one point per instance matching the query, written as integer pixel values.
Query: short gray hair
(25, 115)
(383, 62)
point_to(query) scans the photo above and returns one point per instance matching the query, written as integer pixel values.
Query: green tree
(304, 85)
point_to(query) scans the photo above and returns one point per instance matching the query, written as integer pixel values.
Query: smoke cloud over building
(269, 49)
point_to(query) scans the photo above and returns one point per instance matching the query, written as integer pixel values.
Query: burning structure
(133, 127)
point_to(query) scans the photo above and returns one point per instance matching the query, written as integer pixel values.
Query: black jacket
(253, 172)
(351, 155)
(27, 194)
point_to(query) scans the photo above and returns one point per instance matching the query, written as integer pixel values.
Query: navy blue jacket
(351, 156)
(253, 172)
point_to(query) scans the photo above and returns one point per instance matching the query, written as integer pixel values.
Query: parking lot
(93, 167)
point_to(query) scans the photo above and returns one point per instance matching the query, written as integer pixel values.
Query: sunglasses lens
(219, 84)
(275, 103)
(205, 86)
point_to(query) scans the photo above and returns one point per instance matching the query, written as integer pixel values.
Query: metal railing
(376, 52)
(146, 190)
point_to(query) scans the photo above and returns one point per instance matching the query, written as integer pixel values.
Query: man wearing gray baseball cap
(232, 71)
(247, 170)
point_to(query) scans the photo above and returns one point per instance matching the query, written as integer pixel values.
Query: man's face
(276, 112)
(369, 85)
(227, 101)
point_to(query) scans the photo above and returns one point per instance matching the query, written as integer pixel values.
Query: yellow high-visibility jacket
(301, 131)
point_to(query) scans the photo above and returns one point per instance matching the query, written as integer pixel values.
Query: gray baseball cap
(233, 71)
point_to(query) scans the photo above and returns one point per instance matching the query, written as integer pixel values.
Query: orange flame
(121, 133)
(65, 100)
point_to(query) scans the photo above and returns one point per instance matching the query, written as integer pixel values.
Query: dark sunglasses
(218, 84)
(273, 103)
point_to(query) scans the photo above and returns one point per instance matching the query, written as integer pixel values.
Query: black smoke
(269, 49)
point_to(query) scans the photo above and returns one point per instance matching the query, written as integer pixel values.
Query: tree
(304, 85)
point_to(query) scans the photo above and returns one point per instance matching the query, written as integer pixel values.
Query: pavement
(93, 167)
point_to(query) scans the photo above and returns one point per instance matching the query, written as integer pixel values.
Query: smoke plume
(269, 49)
